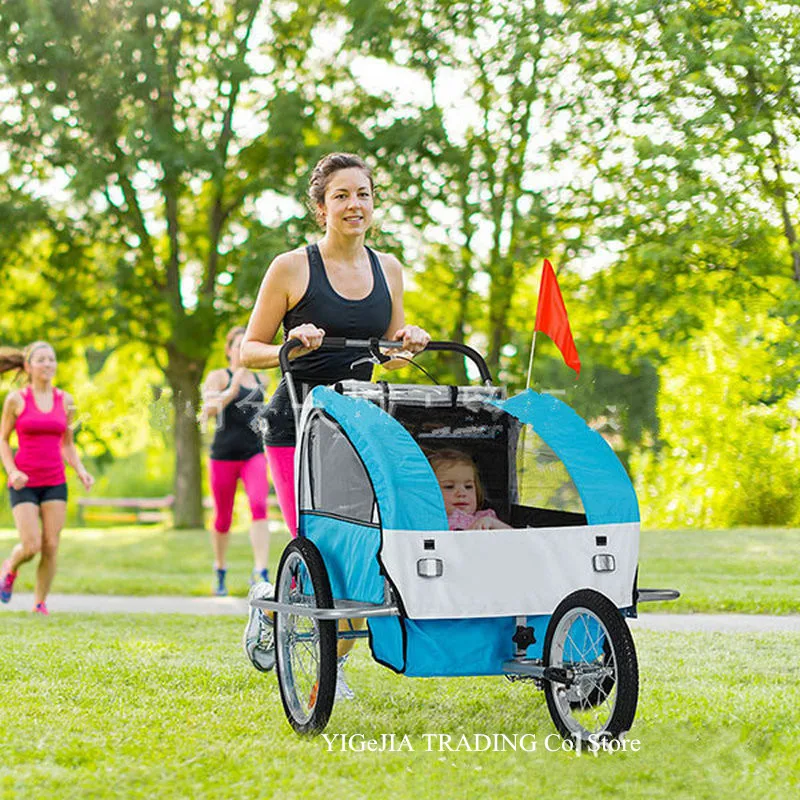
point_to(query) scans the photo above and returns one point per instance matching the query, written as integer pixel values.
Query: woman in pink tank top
(41, 415)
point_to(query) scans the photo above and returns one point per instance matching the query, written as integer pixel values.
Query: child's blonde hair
(450, 457)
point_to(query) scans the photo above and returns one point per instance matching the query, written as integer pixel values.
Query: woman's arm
(68, 449)
(413, 337)
(215, 396)
(12, 408)
(283, 286)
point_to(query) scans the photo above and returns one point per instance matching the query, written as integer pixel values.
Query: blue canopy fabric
(405, 486)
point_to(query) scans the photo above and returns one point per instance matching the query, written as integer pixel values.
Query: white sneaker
(262, 590)
(343, 691)
(259, 639)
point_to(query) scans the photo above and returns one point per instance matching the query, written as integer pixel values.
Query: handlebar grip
(283, 353)
(329, 342)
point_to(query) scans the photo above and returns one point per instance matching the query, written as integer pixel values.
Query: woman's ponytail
(11, 358)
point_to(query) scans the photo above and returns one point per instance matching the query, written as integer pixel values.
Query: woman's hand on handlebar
(310, 335)
(414, 340)
(413, 337)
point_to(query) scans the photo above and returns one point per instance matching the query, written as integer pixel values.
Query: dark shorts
(37, 494)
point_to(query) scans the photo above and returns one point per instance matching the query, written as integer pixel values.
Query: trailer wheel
(589, 643)
(305, 647)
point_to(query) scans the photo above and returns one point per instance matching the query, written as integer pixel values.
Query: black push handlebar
(374, 345)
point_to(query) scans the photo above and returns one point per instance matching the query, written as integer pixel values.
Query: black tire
(305, 647)
(588, 637)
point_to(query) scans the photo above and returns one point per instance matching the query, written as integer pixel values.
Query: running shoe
(259, 576)
(259, 639)
(41, 608)
(343, 691)
(219, 589)
(7, 578)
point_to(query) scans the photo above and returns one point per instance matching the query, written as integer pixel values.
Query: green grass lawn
(744, 570)
(168, 707)
(145, 560)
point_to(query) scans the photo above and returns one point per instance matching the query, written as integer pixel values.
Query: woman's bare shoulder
(14, 401)
(288, 276)
(290, 260)
(288, 270)
(392, 269)
(388, 260)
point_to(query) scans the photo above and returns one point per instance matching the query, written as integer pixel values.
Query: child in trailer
(462, 491)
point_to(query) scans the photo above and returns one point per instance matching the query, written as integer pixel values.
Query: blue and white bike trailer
(543, 601)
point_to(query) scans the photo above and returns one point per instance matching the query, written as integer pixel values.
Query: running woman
(335, 287)
(235, 397)
(41, 415)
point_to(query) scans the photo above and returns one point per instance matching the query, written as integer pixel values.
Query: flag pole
(530, 361)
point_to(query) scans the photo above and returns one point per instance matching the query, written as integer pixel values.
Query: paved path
(117, 604)
(723, 623)
(237, 606)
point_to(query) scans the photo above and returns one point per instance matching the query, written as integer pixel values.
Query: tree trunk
(500, 294)
(184, 376)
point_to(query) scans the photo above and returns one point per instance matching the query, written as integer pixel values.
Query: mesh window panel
(458, 417)
(543, 480)
(334, 481)
(482, 431)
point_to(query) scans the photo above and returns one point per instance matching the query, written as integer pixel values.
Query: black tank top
(238, 435)
(322, 306)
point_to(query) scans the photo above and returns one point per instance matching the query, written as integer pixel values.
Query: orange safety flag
(551, 318)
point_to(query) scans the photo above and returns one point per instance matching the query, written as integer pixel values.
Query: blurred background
(154, 156)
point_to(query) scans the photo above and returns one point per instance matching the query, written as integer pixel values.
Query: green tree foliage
(698, 196)
(142, 137)
(731, 451)
(485, 168)
(701, 198)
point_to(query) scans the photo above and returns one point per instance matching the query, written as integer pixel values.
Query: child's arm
(459, 521)
(489, 521)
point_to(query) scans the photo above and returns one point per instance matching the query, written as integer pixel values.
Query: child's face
(457, 482)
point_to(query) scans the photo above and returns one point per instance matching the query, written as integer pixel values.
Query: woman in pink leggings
(235, 397)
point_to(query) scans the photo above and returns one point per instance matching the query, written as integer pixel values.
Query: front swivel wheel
(305, 647)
